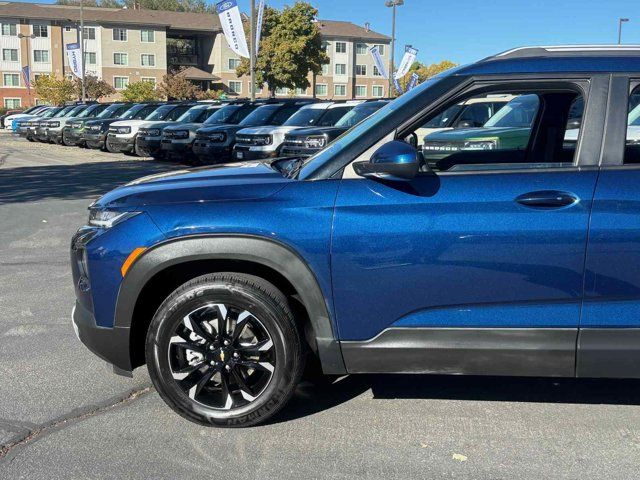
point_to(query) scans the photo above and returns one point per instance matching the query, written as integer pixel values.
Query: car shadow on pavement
(64, 182)
(313, 398)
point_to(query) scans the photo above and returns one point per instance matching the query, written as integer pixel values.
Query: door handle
(547, 199)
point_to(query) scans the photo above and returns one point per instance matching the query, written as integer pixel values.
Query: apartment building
(124, 46)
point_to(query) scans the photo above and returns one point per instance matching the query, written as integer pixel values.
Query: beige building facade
(124, 46)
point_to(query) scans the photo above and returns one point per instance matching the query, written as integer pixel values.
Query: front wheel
(224, 350)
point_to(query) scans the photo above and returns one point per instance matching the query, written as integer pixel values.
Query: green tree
(290, 48)
(197, 6)
(142, 91)
(175, 87)
(55, 91)
(94, 87)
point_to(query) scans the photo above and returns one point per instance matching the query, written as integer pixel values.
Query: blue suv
(493, 257)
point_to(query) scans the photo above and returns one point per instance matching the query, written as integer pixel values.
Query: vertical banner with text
(75, 60)
(259, 25)
(377, 59)
(231, 22)
(413, 81)
(26, 74)
(409, 57)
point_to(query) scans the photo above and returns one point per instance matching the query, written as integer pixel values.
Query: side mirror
(395, 160)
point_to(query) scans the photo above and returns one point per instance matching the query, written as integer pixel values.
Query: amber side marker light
(130, 259)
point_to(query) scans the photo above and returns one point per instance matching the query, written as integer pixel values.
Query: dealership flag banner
(375, 53)
(396, 84)
(26, 74)
(231, 21)
(413, 81)
(259, 25)
(75, 58)
(409, 57)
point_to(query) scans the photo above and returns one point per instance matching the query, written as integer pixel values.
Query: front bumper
(148, 146)
(291, 151)
(120, 144)
(54, 136)
(212, 152)
(242, 153)
(94, 140)
(110, 344)
(74, 137)
(40, 134)
(171, 147)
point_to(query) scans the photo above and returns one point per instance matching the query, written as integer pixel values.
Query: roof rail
(568, 51)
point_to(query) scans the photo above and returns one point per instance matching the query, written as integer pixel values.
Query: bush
(140, 92)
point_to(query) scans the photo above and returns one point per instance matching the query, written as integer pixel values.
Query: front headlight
(181, 134)
(152, 132)
(108, 218)
(123, 130)
(315, 142)
(480, 145)
(262, 140)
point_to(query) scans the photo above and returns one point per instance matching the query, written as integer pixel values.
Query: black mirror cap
(395, 161)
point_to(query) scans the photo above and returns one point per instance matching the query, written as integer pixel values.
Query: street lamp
(28, 76)
(393, 4)
(620, 22)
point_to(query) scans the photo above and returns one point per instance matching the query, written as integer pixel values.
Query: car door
(478, 269)
(609, 343)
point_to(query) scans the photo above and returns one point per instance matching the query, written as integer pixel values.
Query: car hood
(462, 134)
(184, 126)
(17, 116)
(130, 123)
(156, 124)
(246, 181)
(227, 128)
(304, 132)
(98, 121)
(266, 130)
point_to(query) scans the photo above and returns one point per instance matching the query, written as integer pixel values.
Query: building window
(149, 79)
(11, 79)
(341, 47)
(67, 28)
(361, 91)
(41, 30)
(235, 86)
(282, 91)
(89, 33)
(41, 56)
(120, 34)
(340, 90)
(9, 29)
(90, 58)
(341, 68)
(377, 91)
(12, 103)
(148, 60)
(376, 72)
(301, 91)
(325, 69)
(10, 54)
(234, 63)
(361, 70)
(147, 36)
(120, 83)
(321, 89)
(380, 49)
(361, 48)
(120, 59)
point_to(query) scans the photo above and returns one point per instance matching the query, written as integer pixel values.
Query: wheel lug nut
(227, 368)
(235, 355)
(226, 342)
(212, 363)
(211, 347)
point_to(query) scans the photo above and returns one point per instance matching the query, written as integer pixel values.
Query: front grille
(435, 146)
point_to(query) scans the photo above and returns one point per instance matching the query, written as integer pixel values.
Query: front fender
(248, 248)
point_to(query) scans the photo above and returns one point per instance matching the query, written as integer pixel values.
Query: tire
(109, 149)
(65, 141)
(137, 151)
(218, 385)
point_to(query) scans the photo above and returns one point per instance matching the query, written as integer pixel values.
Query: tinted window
(443, 119)
(193, 114)
(332, 115)
(519, 112)
(283, 114)
(92, 111)
(177, 113)
(632, 150)
(112, 111)
(260, 116)
(358, 114)
(161, 112)
(475, 115)
(222, 115)
(305, 117)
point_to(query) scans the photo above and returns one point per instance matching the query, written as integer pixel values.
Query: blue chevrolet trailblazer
(508, 249)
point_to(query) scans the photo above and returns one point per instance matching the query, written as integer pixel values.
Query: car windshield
(89, 110)
(260, 116)
(305, 117)
(58, 112)
(111, 110)
(519, 112)
(442, 119)
(358, 114)
(161, 113)
(73, 112)
(192, 115)
(223, 115)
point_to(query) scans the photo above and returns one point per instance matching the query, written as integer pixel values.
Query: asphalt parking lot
(64, 415)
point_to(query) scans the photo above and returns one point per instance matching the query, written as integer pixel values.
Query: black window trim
(615, 135)
(589, 86)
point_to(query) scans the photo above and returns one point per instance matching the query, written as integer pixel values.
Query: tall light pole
(82, 47)
(620, 22)
(393, 4)
(28, 37)
(252, 50)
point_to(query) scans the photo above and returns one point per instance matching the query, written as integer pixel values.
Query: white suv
(265, 142)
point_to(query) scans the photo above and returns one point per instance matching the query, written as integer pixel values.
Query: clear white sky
(467, 30)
